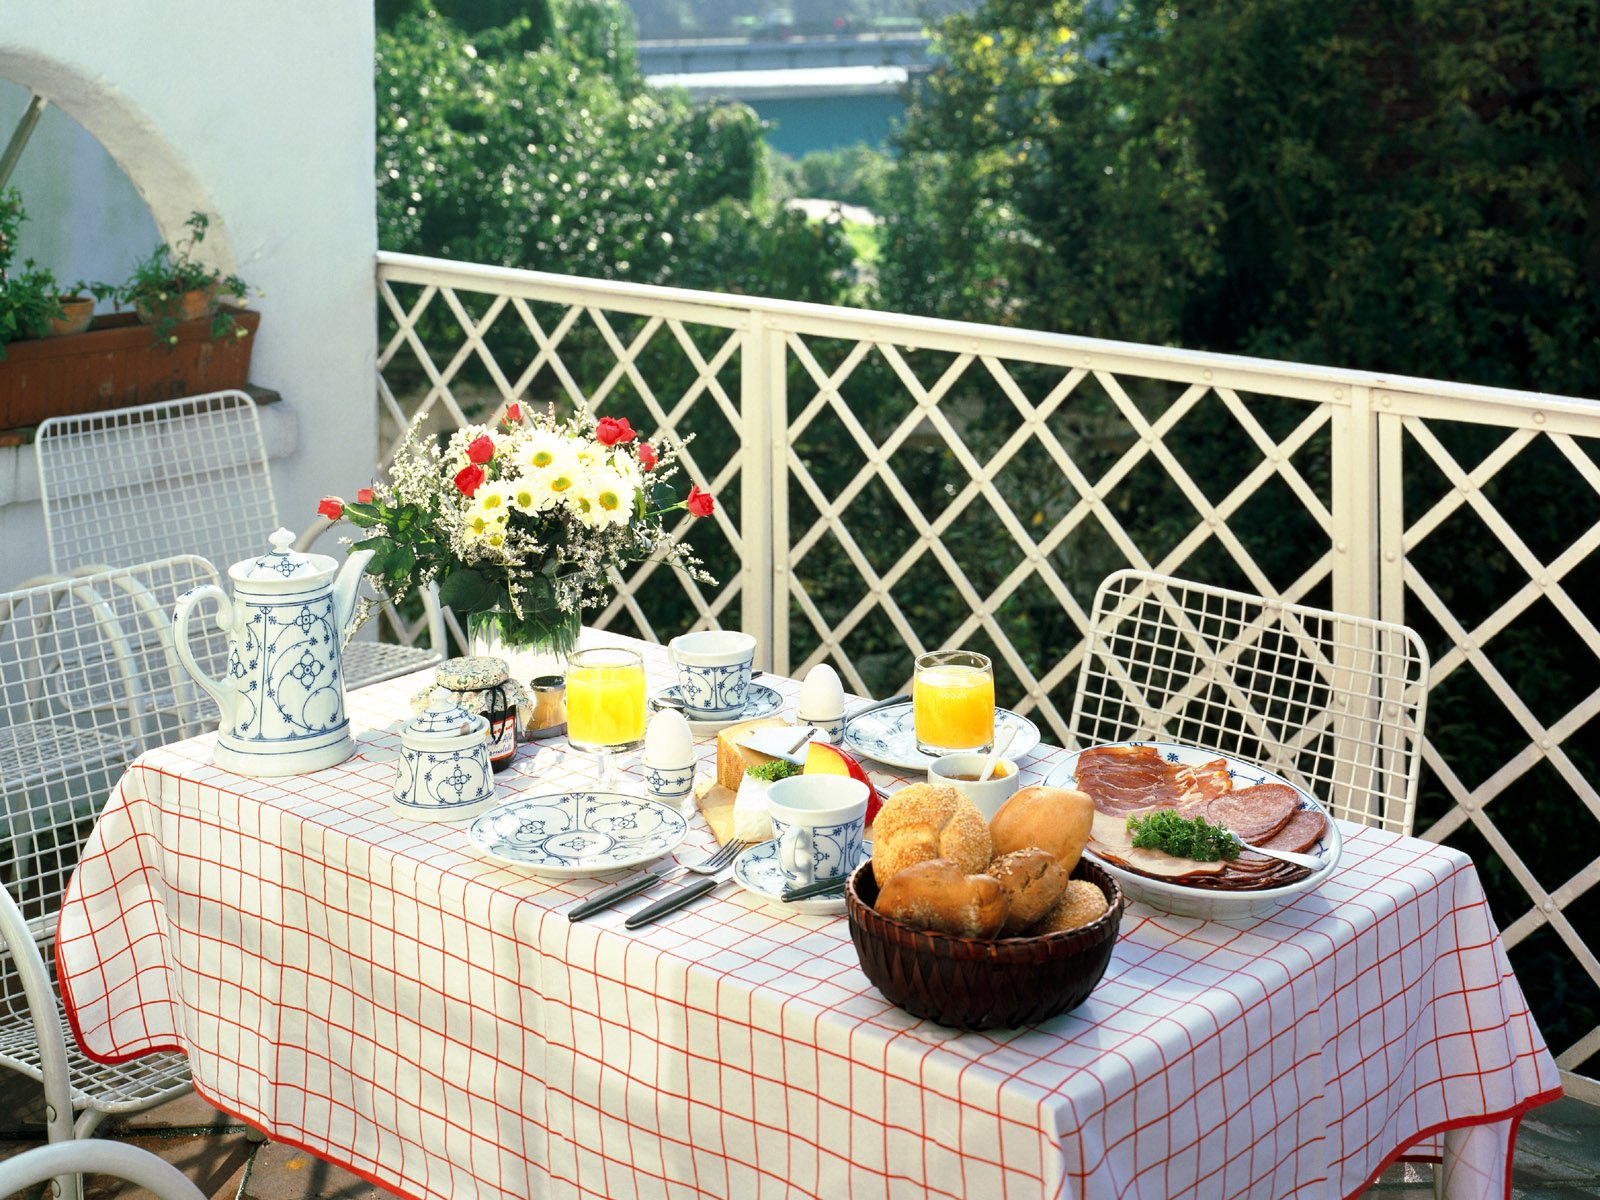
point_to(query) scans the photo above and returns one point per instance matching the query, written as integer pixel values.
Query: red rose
(480, 451)
(364, 496)
(513, 413)
(469, 479)
(331, 507)
(611, 430)
(700, 503)
(647, 456)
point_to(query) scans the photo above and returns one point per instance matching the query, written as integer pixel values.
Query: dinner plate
(757, 872)
(760, 701)
(563, 835)
(889, 735)
(1203, 902)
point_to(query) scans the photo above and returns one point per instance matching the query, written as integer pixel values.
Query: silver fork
(710, 865)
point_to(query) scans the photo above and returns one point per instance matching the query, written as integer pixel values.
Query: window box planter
(117, 363)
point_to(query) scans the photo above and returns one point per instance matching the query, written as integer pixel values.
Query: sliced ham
(1128, 779)
(1109, 839)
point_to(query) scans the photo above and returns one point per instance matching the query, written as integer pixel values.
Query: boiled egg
(821, 694)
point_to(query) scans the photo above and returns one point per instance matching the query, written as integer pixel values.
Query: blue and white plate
(564, 835)
(757, 872)
(889, 735)
(1211, 903)
(760, 701)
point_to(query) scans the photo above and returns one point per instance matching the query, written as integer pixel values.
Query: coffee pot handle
(226, 700)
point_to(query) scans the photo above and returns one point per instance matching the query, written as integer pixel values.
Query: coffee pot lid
(281, 562)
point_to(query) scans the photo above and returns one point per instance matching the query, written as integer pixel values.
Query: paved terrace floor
(1558, 1154)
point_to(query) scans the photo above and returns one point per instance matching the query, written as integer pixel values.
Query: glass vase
(535, 644)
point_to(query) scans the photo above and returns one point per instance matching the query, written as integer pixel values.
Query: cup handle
(672, 655)
(790, 857)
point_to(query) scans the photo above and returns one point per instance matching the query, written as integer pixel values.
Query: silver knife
(874, 706)
(671, 903)
(817, 887)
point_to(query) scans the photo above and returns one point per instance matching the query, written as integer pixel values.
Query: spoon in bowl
(997, 752)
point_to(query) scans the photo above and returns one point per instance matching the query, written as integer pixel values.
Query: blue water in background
(828, 122)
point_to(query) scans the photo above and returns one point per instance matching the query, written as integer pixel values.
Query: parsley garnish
(1185, 837)
(775, 770)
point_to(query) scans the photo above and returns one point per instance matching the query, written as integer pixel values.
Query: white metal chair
(88, 680)
(90, 1157)
(186, 476)
(1332, 702)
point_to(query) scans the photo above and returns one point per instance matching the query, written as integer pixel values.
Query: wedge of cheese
(733, 759)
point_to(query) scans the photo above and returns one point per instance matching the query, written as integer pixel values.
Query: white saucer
(757, 872)
(889, 735)
(565, 835)
(759, 701)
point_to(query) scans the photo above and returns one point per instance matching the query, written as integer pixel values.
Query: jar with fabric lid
(484, 686)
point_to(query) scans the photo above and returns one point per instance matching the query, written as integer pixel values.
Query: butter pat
(751, 821)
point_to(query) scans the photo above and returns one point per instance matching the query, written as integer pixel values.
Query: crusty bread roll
(1033, 881)
(733, 759)
(923, 821)
(1080, 903)
(1053, 819)
(938, 895)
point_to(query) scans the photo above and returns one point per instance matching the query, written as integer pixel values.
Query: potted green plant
(29, 297)
(77, 308)
(49, 370)
(169, 288)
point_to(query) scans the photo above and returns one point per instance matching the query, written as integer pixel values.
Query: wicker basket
(972, 983)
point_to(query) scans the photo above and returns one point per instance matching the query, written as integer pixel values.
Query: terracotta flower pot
(79, 311)
(179, 306)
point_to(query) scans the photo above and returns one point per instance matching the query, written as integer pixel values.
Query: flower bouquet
(521, 523)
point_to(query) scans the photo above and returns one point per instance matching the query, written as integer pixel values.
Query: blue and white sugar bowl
(444, 772)
(669, 758)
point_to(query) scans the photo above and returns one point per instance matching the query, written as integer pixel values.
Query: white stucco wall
(261, 115)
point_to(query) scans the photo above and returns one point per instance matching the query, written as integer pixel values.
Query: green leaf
(469, 590)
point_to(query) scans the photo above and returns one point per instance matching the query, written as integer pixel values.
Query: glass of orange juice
(605, 704)
(952, 702)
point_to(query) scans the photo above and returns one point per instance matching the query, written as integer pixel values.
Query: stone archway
(164, 178)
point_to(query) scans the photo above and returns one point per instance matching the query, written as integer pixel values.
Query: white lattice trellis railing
(891, 483)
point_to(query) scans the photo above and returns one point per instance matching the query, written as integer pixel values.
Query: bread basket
(976, 983)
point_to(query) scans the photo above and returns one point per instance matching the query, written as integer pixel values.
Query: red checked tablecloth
(377, 992)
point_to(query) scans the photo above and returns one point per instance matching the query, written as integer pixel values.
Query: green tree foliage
(1403, 187)
(560, 158)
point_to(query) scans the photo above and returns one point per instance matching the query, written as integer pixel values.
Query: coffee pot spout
(344, 591)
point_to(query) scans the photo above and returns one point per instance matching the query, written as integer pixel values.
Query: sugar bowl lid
(444, 723)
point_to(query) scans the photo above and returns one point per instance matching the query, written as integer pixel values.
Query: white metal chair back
(88, 680)
(186, 476)
(1332, 702)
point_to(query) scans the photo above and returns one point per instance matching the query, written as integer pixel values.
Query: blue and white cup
(713, 669)
(818, 821)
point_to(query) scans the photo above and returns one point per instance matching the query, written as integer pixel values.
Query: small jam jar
(485, 686)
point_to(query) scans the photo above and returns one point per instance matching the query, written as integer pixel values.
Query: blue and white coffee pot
(283, 699)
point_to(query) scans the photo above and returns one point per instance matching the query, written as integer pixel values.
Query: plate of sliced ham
(1136, 779)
